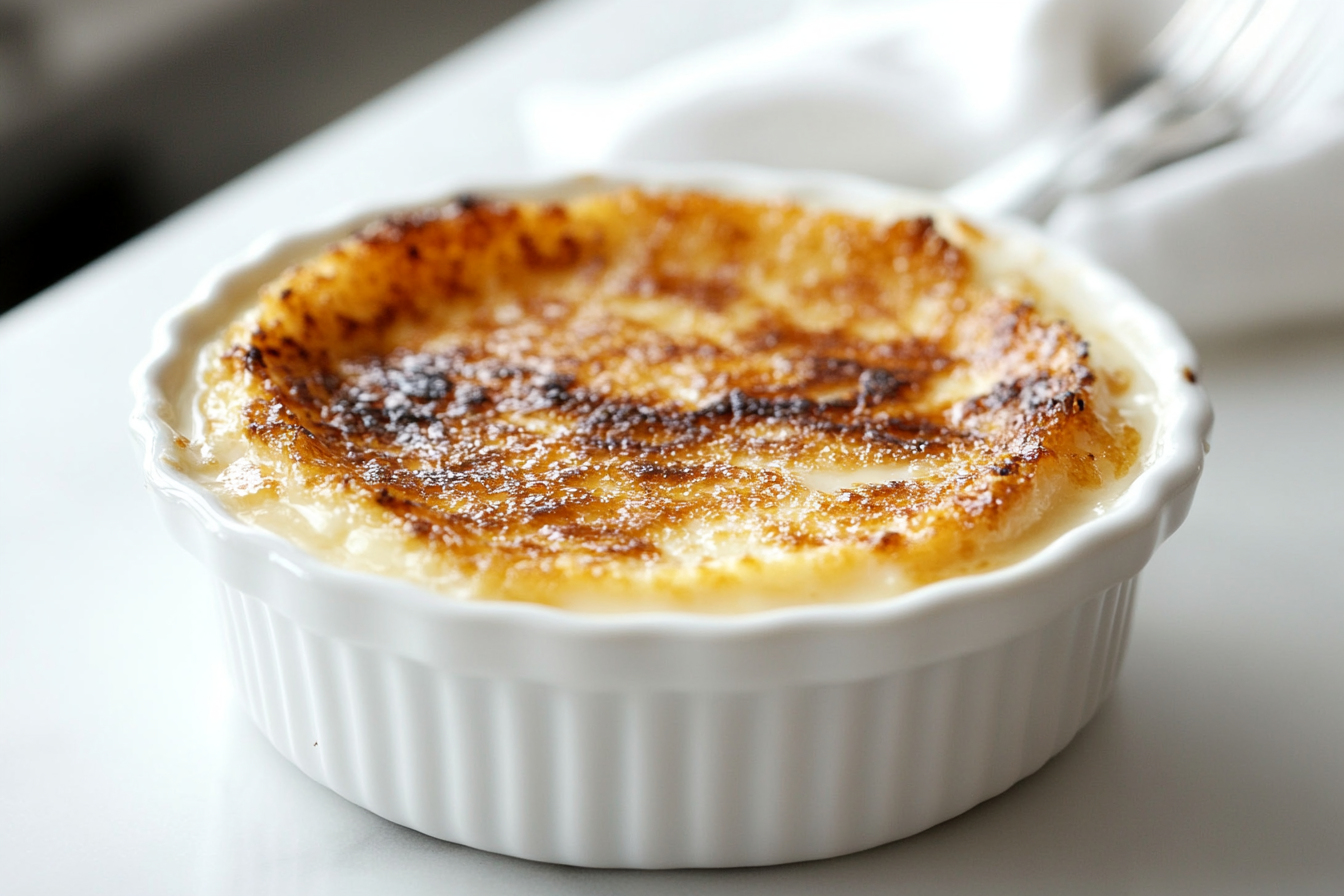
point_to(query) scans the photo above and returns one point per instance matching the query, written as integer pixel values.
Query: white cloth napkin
(926, 92)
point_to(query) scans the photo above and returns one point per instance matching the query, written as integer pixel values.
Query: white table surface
(127, 766)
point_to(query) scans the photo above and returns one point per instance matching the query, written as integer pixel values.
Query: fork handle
(1153, 127)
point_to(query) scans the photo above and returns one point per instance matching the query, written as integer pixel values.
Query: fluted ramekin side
(654, 778)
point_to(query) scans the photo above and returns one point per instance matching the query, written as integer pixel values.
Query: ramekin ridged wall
(672, 740)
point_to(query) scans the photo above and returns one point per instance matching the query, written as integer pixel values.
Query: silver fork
(1218, 68)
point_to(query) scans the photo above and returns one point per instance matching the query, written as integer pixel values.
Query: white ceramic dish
(666, 740)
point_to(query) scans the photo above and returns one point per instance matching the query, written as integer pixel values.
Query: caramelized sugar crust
(669, 394)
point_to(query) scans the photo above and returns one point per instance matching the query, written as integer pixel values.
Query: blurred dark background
(115, 113)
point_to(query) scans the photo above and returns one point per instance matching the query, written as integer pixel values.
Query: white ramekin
(664, 740)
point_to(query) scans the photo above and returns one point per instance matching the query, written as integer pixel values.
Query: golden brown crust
(556, 394)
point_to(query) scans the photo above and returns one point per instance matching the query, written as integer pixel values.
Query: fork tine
(1197, 36)
(1298, 56)
(1256, 45)
(1275, 52)
(1178, 37)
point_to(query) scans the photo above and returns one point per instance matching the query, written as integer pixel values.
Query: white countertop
(127, 766)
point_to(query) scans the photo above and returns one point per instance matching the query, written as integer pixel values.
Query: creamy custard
(636, 401)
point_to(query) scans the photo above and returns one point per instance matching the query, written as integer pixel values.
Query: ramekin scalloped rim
(790, 647)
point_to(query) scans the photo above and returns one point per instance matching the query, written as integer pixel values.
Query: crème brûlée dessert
(641, 400)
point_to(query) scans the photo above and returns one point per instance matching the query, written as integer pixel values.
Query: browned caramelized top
(634, 391)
